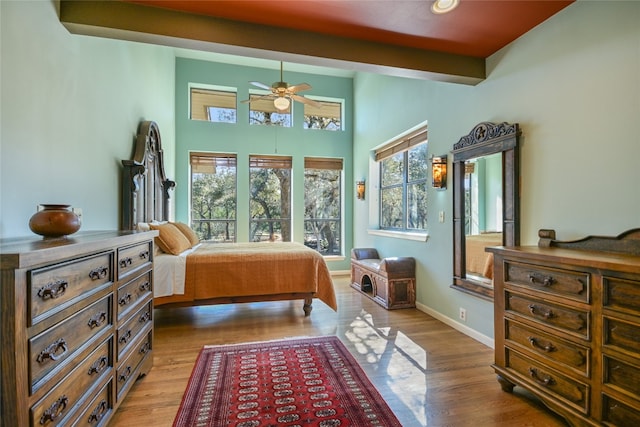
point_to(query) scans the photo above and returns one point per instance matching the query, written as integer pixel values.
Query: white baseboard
(488, 341)
(341, 273)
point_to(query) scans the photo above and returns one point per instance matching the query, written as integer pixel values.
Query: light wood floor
(429, 374)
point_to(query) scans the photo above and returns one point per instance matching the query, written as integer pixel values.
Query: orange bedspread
(249, 269)
(479, 261)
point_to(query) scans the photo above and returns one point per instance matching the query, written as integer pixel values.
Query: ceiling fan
(282, 93)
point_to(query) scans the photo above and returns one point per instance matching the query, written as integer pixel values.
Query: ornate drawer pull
(125, 337)
(123, 376)
(145, 317)
(536, 311)
(546, 381)
(99, 412)
(98, 273)
(126, 262)
(125, 300)
(97, 319)
(144, 287)
(51, 350)
(145, 347)
(144, 255)
(53, 290)
(541, 278)
(55, 410)
(535, 344)
(98, 366)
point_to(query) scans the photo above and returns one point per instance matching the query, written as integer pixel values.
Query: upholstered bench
(391, 282)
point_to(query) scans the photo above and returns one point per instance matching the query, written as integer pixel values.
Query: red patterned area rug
(292, 382)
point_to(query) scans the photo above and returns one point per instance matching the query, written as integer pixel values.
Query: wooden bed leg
(307, 306)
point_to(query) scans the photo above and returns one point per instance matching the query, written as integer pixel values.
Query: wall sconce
(439, 172)
(360, 187)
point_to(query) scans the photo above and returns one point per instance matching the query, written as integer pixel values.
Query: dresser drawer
(621, 295)
(133, 292)
(621, 375)
(621, 334)
(564, 318)
(566, 283)
(132, 258)
(49, 350)
(563, 387)
(56, 287)
(127, 370)
(551, 347)
(128, 332)
(66, 397)
(98, 411)
(616, 413)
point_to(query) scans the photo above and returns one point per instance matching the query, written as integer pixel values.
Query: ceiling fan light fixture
(444, 6)
(281, 103)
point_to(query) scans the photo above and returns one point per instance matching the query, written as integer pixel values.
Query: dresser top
(588, 259)
(24, 252)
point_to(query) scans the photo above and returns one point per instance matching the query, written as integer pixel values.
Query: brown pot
(54, 221)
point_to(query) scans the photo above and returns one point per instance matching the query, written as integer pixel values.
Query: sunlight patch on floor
(391, 351)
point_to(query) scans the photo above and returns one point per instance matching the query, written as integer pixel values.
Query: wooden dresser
(567, 325)
(77, 327)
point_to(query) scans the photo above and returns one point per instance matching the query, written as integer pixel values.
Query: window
(213, 196)
(213, 105)
(322, 205)
(328, 116)
(403, 183)
(270, 198)
(263, 112)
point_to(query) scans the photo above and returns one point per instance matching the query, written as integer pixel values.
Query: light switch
(441, 216)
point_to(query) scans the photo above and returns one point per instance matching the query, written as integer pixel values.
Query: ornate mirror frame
(484, 139)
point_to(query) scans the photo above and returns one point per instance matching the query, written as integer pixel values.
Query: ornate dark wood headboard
(145, 188)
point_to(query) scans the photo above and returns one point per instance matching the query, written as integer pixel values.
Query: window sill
(418, 237)
(334, 258)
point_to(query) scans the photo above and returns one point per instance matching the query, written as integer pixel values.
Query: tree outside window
(270, 198)
(322, 205)
(213, 196)
(403, 190)
(263, 112)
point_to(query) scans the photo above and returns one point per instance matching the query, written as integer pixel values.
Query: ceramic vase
(54, 221)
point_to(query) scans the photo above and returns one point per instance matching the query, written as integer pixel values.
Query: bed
(480, 263)
(205, 273)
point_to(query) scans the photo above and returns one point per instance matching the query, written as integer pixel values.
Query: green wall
(573, 84)
(244, 139)
(70, 109)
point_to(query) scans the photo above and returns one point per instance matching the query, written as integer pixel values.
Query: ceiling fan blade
(269, 96)
(306, 101)
(299, 87)
(261, 85)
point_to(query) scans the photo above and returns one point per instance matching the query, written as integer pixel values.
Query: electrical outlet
(463, 314)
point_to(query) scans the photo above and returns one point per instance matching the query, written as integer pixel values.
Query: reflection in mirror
(482, 214)
(485, 203)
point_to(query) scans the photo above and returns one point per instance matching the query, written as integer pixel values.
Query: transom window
(213, 196)
(403, 183)
(213, 105)
(328, 116)
(262, 111)
(323, 205)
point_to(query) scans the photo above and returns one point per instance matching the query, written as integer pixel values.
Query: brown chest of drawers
(567, 328)
(76, 324)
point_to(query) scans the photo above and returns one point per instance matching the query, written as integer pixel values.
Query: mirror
(486, 166)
